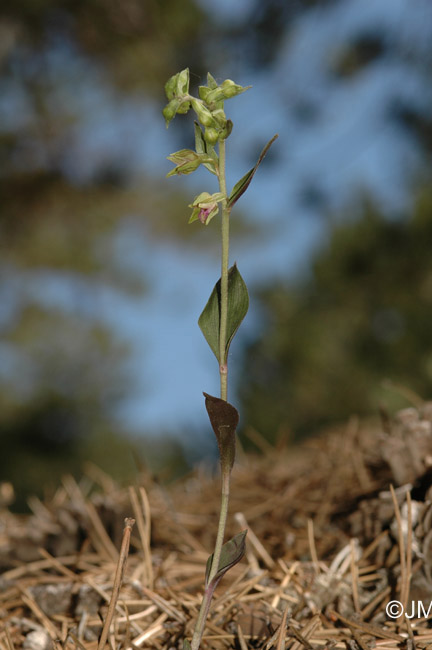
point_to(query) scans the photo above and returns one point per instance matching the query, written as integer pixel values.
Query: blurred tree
(62, 369)
(139, 41)
(363, 316)
(63, 65)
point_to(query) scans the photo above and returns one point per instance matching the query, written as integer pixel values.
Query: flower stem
(223, 366)
(223, 371)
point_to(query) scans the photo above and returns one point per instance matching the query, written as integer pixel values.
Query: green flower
(205, 207)
(186, 161)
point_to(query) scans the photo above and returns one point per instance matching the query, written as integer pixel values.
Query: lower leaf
(231, 553)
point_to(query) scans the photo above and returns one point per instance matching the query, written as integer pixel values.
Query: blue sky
(352, 147)
(337, 139)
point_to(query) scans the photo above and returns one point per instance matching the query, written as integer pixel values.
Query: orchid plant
(229, 300)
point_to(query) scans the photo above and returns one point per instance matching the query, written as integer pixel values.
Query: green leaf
(224, 419)
(238, 304)
(186, 645)
(242, 185)
(231, 553)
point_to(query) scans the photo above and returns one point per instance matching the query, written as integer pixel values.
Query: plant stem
(208, 593)
(223, 366)
(201, 620)
(222, 523)
(223, 371)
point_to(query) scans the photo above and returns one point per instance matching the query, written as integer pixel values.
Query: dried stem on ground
(328, 548)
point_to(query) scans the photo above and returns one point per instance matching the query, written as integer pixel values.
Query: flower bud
(211, 135)
(178, 84)
(215, 96)
(203, 113)
(203, 92)
(185, 168)
(220, 117)
(169, 111)
(231, 89)
(182, 156)
(183, 82)
(186, 161)
(171, 86)
(184, 107)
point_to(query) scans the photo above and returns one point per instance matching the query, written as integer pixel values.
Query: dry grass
(337, 528)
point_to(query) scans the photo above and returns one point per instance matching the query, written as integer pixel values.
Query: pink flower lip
(204, 213)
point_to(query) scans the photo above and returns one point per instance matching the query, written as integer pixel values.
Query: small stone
(38, 640)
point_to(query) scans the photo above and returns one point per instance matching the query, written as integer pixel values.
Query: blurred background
(101, 278)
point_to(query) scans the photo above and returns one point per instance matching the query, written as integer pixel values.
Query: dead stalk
(118, 579)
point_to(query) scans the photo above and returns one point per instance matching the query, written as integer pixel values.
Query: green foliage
(238, 305)
(331, 341)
